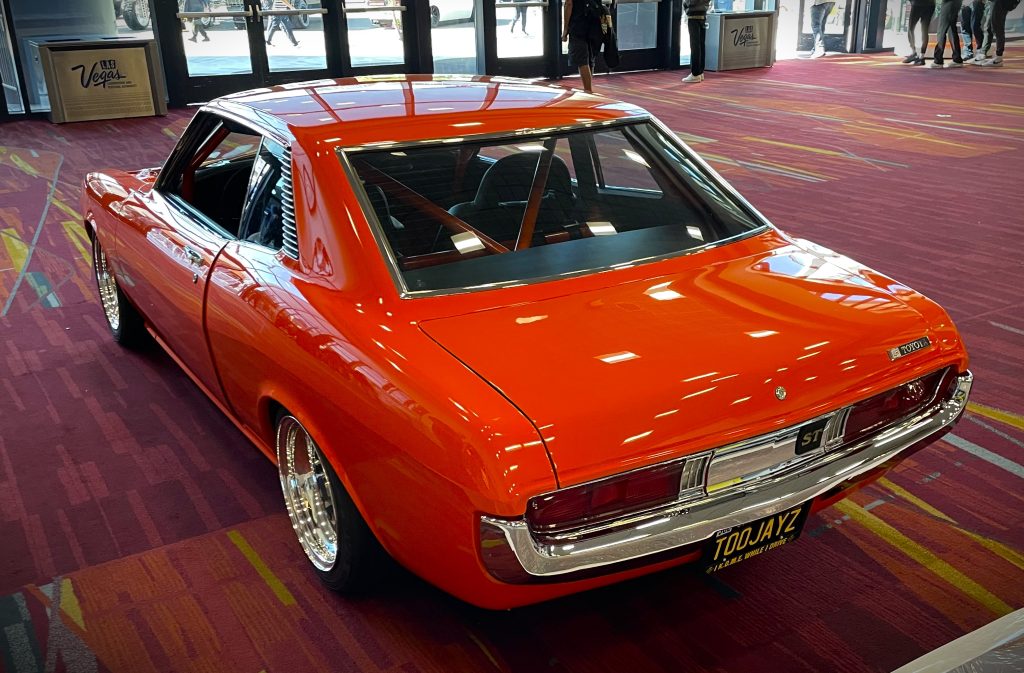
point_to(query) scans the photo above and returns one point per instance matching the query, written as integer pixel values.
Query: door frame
(183, 88)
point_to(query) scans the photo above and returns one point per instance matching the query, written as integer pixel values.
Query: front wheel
(126, 324)
(136, 15)
(330, 529)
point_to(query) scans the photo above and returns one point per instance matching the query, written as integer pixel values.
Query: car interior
(447, 207)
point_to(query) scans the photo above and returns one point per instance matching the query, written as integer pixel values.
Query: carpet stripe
(999, 461)
(278, 587)
(924, 557)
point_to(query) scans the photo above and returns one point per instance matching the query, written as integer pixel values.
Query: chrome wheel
(108, 288)
(307, 493)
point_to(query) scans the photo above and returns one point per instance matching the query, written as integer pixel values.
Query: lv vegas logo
(102, 73)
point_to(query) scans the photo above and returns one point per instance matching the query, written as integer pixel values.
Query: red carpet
(140, 532)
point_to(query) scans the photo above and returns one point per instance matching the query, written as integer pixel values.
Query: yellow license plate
(732, 545)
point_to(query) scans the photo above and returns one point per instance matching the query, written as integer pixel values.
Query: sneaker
(693, 78)
(994, 62)
(910, 59)
(934, 64)
(955, 64)
(967, 54)
(817, 53)
(919, 61)
(979, 57)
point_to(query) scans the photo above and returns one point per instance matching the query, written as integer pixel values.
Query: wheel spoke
(307, 493)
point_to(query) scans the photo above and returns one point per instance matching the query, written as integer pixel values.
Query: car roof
(382, 109)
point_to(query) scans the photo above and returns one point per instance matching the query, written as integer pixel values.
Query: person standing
(948, 12)
(1000, 8)
(197, 24)
(968, 31)
(283, 22)
(820, 11)
(697, 28)
(920, 16)
(520, 17)
(583, 22)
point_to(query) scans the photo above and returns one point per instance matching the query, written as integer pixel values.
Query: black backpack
(593, 9)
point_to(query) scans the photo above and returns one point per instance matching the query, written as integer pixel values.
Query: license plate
(732, 545)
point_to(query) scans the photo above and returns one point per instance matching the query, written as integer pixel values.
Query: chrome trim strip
(636, 115)
(692, 522)
(392, 263)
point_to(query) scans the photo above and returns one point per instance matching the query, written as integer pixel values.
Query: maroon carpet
(140, 532)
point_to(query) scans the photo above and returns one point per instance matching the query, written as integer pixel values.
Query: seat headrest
(510, 178)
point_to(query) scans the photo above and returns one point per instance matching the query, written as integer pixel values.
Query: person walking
(948, 12)
(820, 11)
(520, 17)
(1000, 8)
(281, 22)
(920, 16)
(583, 22)
(697, 28)
(197, 24)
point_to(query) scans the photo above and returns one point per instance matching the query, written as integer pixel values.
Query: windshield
(467, 215)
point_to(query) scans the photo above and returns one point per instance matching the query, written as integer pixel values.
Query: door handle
(194, 258)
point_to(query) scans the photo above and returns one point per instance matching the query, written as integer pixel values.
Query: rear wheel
(435, 16)
(330, 529)
(126, 325)
(300, 22)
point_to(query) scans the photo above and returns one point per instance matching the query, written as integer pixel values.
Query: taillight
(607, 499)
(881, 410)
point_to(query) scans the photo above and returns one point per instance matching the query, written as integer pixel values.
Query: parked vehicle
(445, 11)
(520, 337)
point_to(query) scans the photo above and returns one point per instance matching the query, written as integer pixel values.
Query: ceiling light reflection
(762, 334)
(622, 356)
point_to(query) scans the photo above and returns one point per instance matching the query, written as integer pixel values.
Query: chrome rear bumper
(511, 551)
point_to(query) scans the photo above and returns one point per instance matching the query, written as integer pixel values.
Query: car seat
(500, 202)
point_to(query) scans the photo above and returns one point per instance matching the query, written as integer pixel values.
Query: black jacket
(696, 8)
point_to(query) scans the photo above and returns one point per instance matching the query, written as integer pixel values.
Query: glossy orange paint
(410, 398)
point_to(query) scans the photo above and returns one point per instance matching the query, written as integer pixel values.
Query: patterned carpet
(140, 532)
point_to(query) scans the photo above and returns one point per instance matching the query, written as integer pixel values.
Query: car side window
(214, 176)
(617, 163)
(262, 221)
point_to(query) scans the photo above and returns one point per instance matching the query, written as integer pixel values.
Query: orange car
(520, 337)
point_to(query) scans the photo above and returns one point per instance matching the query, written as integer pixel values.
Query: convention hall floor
(140, 532)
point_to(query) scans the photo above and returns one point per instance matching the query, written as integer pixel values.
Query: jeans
(698, 30)
(285, 24)
(947, 26)
(920, 16)
(998, 28)
(819, 15)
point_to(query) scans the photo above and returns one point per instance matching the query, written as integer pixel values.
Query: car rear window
(469, 214)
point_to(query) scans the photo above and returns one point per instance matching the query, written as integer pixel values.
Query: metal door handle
(194, 258)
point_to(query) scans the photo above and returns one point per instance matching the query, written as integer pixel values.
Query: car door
(194, 210)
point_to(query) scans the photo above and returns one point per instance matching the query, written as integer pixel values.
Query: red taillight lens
(591, 503)
(881, 410)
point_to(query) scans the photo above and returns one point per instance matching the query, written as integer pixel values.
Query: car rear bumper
(514, 554)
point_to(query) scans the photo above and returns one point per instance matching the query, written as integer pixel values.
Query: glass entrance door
(837, 24)
(214, 47)
(643, 30)
(525, 38)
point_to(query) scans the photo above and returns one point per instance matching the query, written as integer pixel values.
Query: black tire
(136, 15)
(357, 561)
(435, 17)
(126, 326)
(300, 22)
